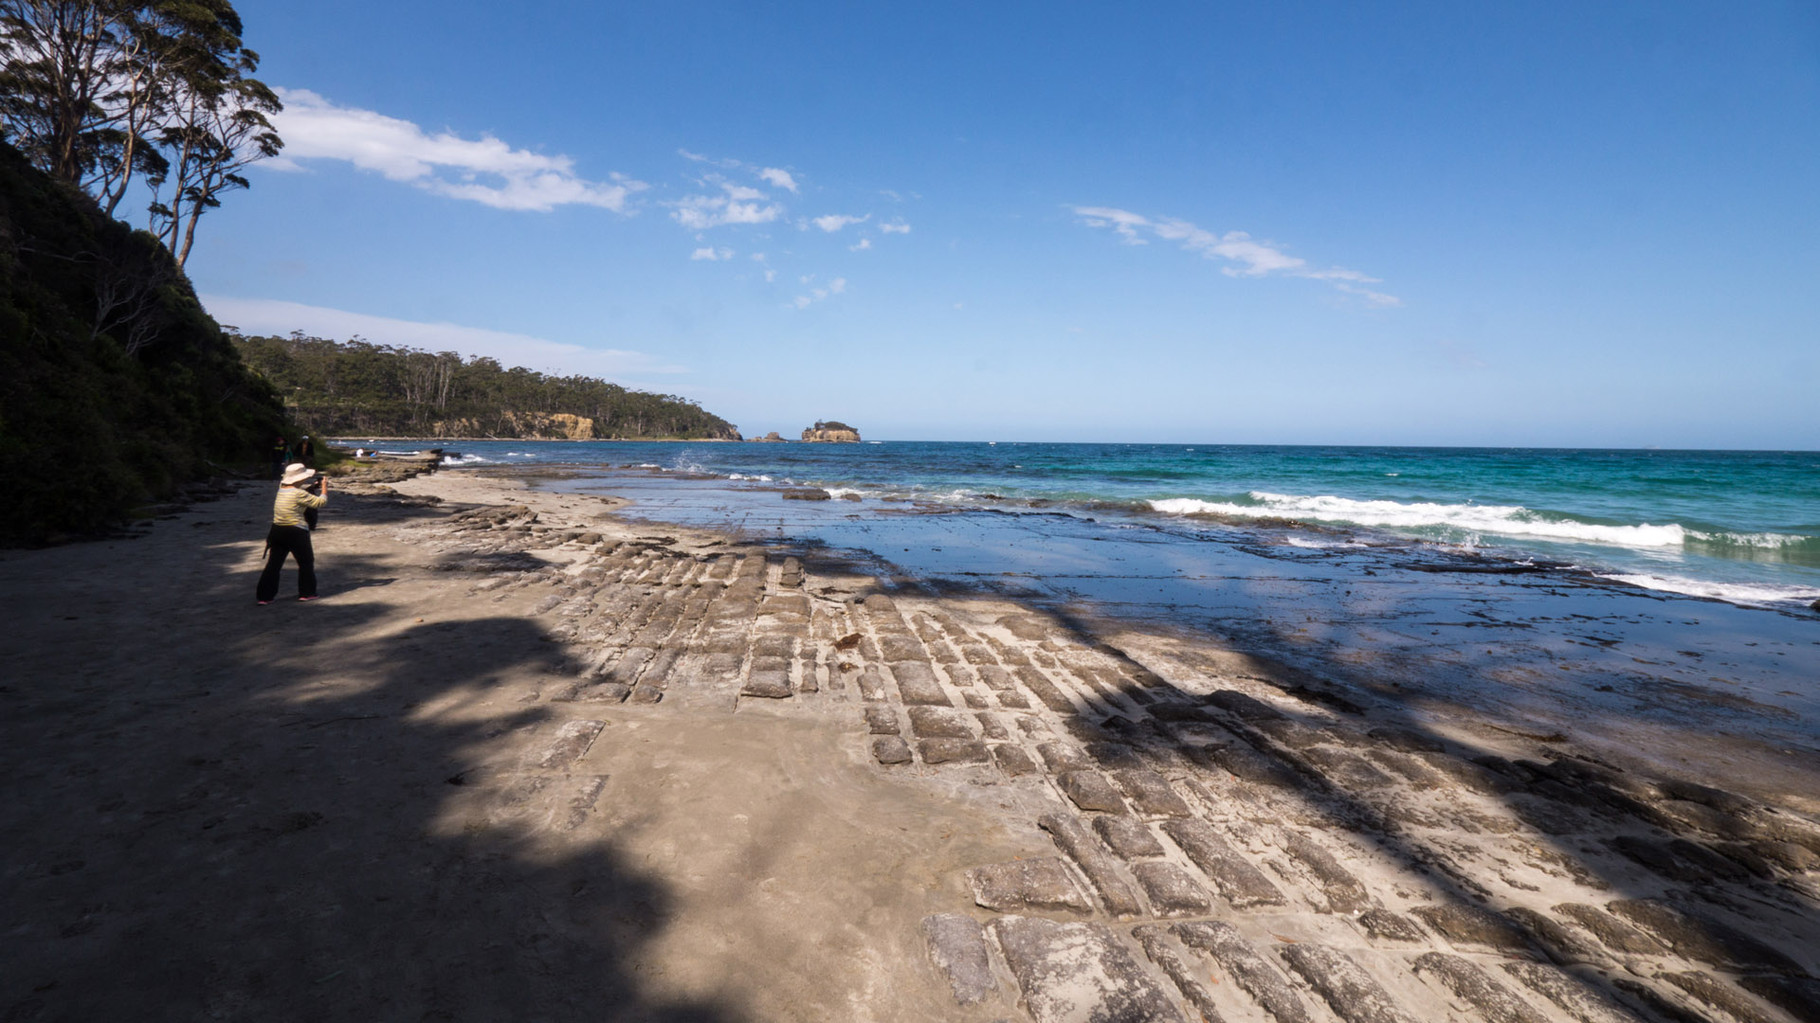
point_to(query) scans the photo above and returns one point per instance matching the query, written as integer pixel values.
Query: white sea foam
(840, 492)
(1771, 541)
(464, 460)
(1735, 593)
(1503, 520)
(755, 477)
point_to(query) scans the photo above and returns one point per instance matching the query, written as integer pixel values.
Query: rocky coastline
(690, 776)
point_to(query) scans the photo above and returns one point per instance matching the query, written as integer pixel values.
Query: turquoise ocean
(1738, 526)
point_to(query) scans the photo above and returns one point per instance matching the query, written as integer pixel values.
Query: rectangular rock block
(881, 720)
(1343, 891)
(1129, 839)
(1242, 884)
(1013, 760)
(957, 947)
(1171, 890)
(940, 723)
(1091, 791)
(1165, 954)
(1038, 883)
(952, 751)
(772, 684)
(1248, 967)
(1494, 1002)
(1076, 972)
(1045, 691)
(1073, 838)
(1151, 794)
(1346, 987)
(917, 684)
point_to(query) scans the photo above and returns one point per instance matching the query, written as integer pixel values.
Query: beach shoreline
(686, 770)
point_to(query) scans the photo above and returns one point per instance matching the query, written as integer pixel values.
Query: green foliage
(115, 385)
(99, 93)
(356, 387)
(831, 424)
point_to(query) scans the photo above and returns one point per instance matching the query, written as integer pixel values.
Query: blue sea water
(1741, 526)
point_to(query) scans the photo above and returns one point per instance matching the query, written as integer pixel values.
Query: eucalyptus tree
(99, 92)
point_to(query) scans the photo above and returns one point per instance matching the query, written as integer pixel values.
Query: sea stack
(830, 432)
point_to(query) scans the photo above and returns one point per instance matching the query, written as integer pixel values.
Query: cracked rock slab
(1344, 985)
(1463, 924)
(1042, 883)
(953, 751)
(1151, 794)
(940, 723)
(1076, 973)
(1248, 967)
(1127, 838)
(1072, 837)
(1242, 884)
(957, 947)
(1172, 891)
(1091, 791)
(1495, 1002)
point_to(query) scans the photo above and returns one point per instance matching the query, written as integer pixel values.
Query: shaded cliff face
(831, 435)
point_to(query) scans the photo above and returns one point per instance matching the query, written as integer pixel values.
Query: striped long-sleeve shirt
(287, 510)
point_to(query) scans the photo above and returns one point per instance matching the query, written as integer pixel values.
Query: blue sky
(1572, 224)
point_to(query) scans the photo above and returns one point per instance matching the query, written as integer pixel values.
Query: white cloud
(895, 227)
(835, 287)
(711, 254)
(778, 178)
(1244, 256)
(272, 316)
(484, 170)
(770, 275)
(835, 221)
(737, 205)
(864, 244)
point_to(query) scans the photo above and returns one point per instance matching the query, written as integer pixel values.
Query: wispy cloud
(835, 221)
(835, 287)
(737, 204)
(272, 316)
(1243, 255)
(895, 227)
(778, 178)
(712, 254)
(484, 170)
(861, 246)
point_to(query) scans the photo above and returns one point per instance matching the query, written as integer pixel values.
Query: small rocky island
(830, 432)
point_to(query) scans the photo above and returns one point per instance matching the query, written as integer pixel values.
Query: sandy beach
(532, 758)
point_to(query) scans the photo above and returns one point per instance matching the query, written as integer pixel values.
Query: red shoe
(306, 598)
(264, 603)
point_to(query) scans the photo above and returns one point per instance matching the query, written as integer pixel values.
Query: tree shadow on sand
(295, 828)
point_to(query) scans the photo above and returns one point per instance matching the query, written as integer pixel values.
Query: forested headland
(355, 387)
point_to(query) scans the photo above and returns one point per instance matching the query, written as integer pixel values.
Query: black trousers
(283, 540)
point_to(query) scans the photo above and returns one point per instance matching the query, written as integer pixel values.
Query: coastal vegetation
(358, 387)
(115, 96)
(115, 386)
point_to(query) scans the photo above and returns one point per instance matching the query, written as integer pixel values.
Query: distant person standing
(281, 453)
(289, 535)
(306, 451)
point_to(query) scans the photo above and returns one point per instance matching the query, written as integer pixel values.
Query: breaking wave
(1501, 520)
